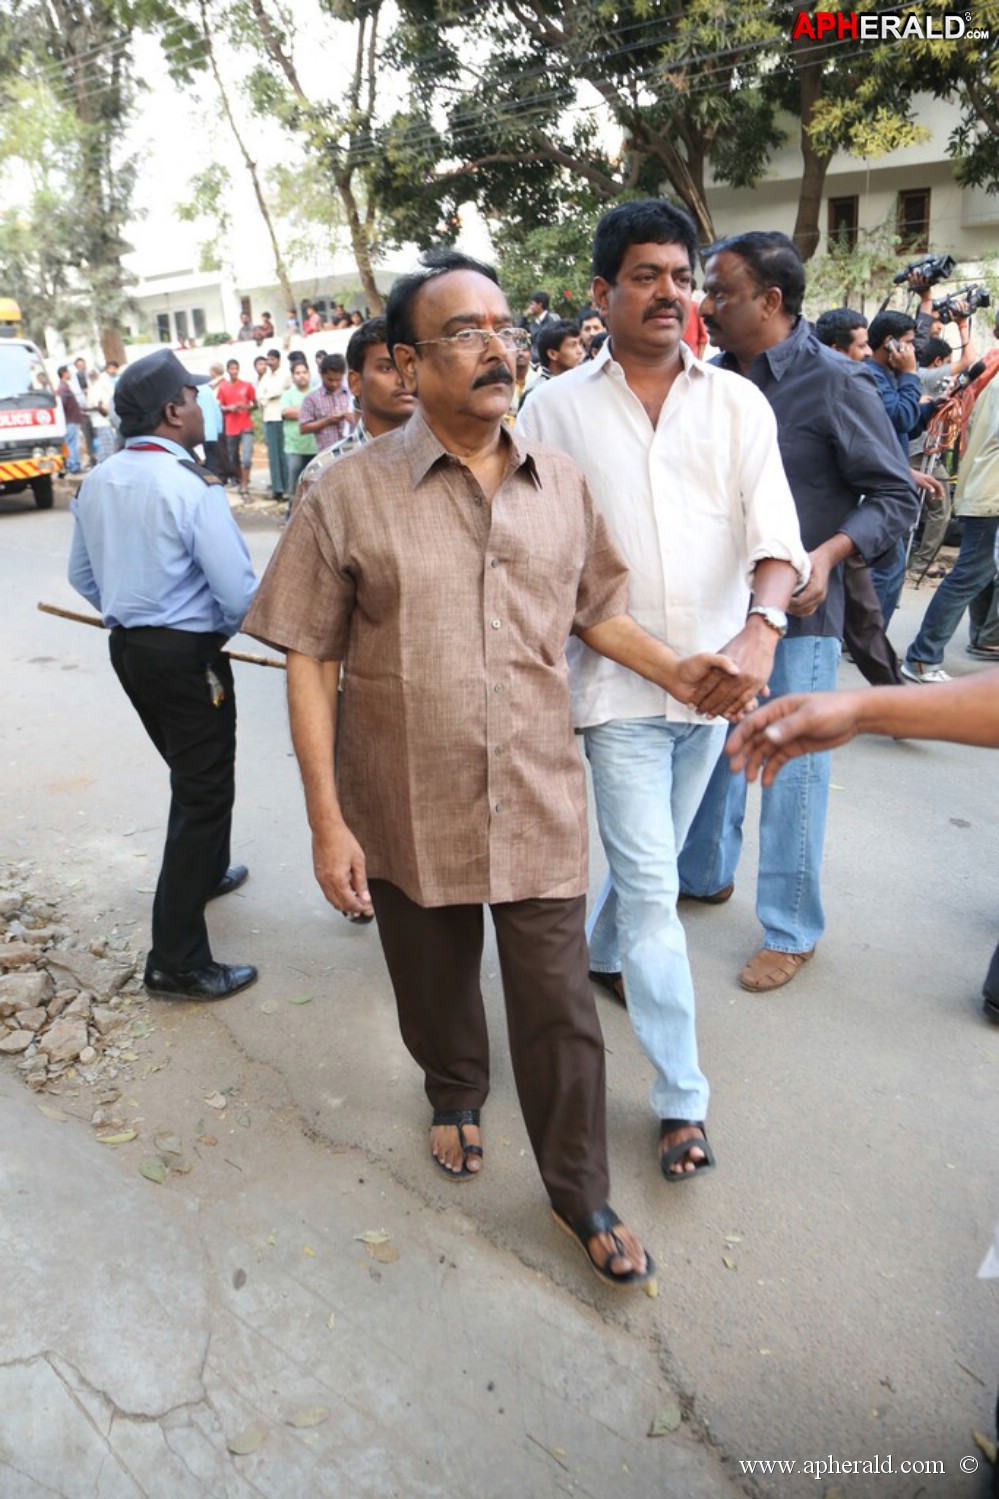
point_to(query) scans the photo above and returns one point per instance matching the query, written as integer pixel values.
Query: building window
(163, 327)
(913, 219)
(198, 321)
(246, 306)
(180, 323)
(844, 214)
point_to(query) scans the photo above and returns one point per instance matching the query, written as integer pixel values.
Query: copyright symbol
(968, 1465)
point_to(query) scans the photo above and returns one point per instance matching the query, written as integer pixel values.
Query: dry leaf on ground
(245, 1442)
(310, 1415)
(666, 1419)
(985, 1444)
(385, 1254)
(51, 1112)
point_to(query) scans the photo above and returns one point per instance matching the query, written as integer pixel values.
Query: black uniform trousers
(165, 674)
(434, 956)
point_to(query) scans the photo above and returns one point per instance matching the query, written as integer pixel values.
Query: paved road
(818, 1293)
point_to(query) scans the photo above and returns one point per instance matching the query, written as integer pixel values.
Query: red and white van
(32, 423)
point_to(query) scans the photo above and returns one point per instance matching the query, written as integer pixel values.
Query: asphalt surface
(818, 1300)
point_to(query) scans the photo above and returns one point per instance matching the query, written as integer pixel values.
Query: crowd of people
(505, 529)
(311, 320)
(87, 397)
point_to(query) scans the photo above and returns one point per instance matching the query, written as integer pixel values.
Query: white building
(912, 189)
(176, 306)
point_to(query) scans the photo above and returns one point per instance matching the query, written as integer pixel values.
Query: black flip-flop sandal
(675, 1155)
(458, 1118)
(605, 1221)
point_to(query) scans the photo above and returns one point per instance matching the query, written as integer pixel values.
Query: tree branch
(274, 49)
(537, 24)
(987, 113)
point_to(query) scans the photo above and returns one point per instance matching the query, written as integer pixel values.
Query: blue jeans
(889, 580)
(294, 464)
(72, 448)
(648, 777)
(974, 570)
(792, 818)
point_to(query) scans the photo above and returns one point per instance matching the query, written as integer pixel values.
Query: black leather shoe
(214, 981)
(230, 881)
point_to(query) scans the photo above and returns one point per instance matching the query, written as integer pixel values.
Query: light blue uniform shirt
(211, 411)
(153, 544)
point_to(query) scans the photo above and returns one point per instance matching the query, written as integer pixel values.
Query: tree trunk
(815, 163)
(364, 69)
(361, 246)
(113, 345)
(251, 166)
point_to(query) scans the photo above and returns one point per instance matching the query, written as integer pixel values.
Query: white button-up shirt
(693, 504)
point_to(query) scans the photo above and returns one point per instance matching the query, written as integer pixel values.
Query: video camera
(946, 308)
(929, 270)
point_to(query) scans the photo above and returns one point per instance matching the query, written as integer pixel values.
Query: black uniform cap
(147, 385)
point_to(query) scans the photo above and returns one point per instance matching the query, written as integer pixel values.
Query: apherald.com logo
(827, 25)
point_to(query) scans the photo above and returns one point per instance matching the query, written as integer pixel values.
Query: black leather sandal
(676, 1153)
(605, 1221)
(458, 1118)
(612, 982)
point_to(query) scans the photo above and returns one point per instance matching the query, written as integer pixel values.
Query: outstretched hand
(781, 730)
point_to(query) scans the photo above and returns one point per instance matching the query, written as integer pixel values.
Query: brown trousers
(864, 632)
(434, 957)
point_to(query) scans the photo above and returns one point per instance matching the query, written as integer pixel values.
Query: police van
(32, 421)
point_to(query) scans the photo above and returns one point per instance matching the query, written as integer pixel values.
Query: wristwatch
(775, 618)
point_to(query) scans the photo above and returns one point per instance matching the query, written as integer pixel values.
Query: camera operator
(892, 362)
(971, 583)
(935, 377)
(930, 324)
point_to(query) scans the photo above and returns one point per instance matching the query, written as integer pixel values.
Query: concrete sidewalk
(152, 1333)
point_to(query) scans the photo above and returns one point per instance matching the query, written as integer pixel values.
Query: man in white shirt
(271, 386)
(683, 461)
(101, 393)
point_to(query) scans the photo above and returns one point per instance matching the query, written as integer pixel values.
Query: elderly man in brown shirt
(446, 565)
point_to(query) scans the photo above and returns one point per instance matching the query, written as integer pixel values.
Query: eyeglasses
(477, 339)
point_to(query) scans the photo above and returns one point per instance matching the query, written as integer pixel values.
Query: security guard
(156, 550)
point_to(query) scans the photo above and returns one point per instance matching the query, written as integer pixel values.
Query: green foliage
(852, 277)
(65, 100)
(312, 226)
(514, 87)
(555, 258)
(208, 200)
(874, 114)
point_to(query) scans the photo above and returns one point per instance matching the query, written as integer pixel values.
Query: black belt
(163, 635)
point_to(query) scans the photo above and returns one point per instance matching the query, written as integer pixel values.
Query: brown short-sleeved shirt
(457, 769)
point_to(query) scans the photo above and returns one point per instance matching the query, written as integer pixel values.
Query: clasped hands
(730, 683)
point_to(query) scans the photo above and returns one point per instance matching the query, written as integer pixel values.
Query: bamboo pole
(98, 623)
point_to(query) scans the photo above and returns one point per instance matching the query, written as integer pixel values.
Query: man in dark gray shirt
(837, 447)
